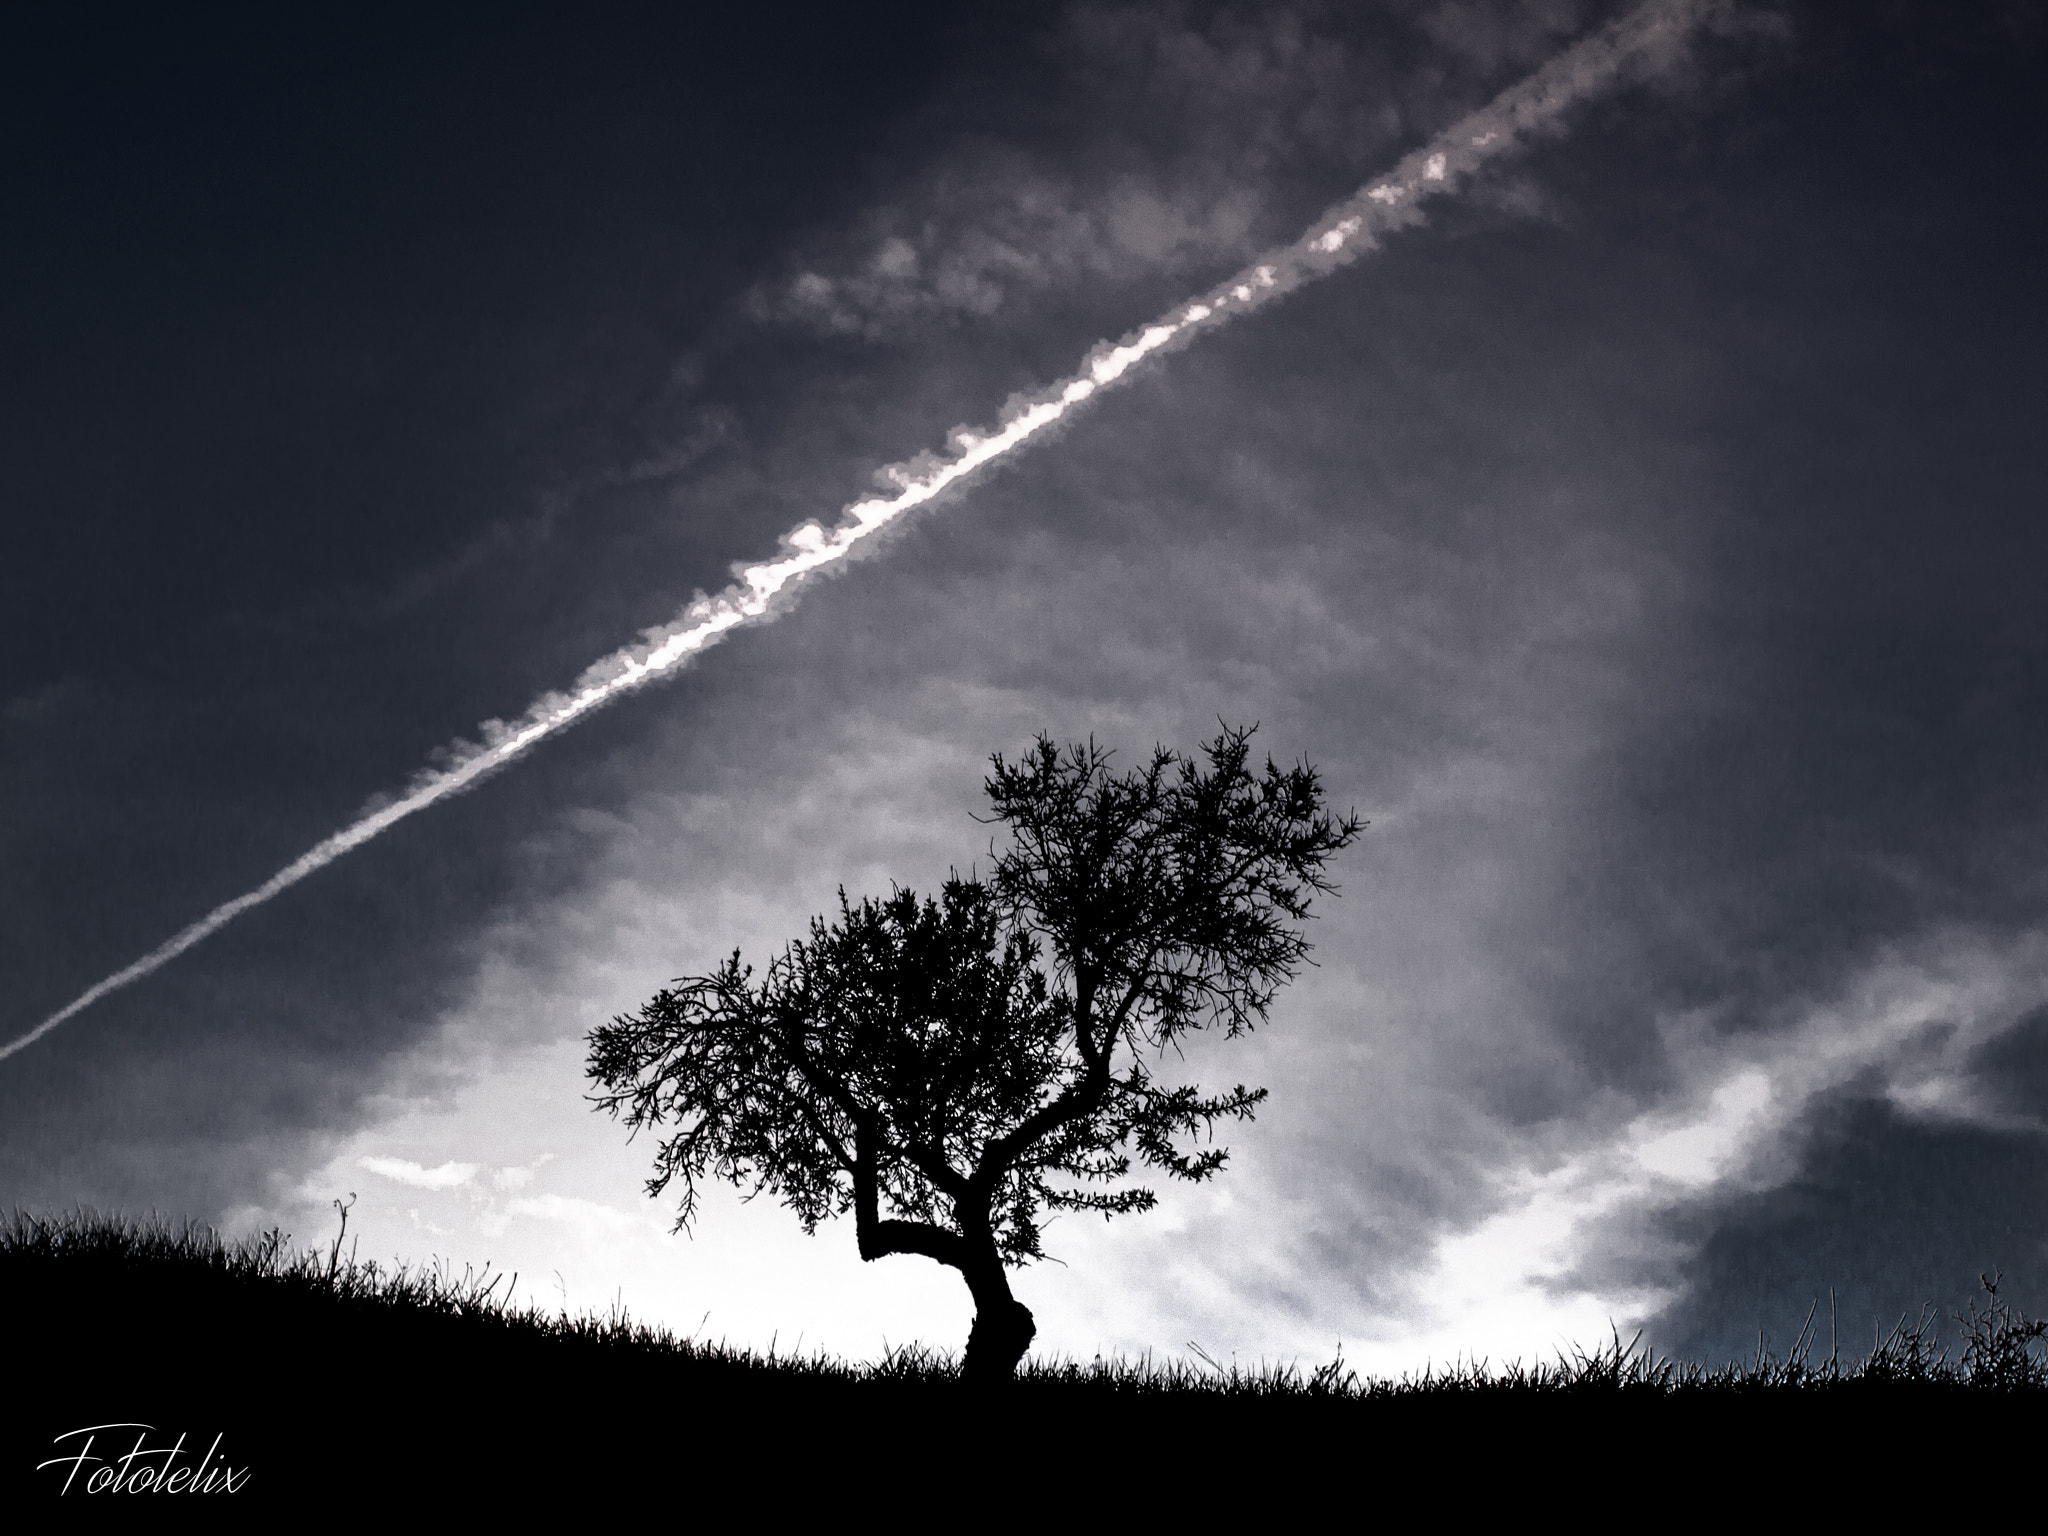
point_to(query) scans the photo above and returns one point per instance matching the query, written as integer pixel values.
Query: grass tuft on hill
(100, 1283)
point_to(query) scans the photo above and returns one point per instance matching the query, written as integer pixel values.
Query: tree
(954, 1071)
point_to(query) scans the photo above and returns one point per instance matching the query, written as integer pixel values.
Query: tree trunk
(1002, 1331)
(1003, 1326)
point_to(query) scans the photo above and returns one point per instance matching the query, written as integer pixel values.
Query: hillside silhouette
(325, 1377)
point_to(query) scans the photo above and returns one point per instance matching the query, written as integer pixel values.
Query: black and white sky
(1649, 541)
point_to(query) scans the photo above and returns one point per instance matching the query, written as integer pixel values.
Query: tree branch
(878, 1238)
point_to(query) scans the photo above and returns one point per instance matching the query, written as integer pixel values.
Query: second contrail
(1644, 37)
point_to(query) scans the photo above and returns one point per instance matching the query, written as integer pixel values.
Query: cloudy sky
(1648, 542)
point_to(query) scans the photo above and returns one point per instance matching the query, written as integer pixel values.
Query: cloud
(446, 1176)
(519, 1178)
(1081, 185)
(590, 1217)
(1910, 1029)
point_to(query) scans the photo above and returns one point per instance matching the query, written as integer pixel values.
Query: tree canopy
(953, 1071)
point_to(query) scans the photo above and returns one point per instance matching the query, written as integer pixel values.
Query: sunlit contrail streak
(1341, 235)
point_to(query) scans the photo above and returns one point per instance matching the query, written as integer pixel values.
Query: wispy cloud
(1572, 1239)
(985, 224)
(400, 1170)
(519, 1178)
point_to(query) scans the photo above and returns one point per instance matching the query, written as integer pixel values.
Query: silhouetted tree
(918, 1058)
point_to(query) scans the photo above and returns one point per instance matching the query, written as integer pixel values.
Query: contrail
(1646, 36)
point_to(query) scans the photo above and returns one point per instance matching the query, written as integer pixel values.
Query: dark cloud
(1887, 1215)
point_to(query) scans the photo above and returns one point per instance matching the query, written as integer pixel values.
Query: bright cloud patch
(447, 1176)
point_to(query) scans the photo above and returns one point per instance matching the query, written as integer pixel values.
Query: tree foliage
(952, 1071)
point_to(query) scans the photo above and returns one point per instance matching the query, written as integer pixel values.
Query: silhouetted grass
(86, 1260)
(298, 1353)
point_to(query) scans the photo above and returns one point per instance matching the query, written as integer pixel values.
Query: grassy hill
(315, 1371)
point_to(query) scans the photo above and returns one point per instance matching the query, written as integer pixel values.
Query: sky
(1642, 532)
